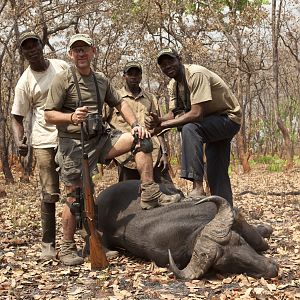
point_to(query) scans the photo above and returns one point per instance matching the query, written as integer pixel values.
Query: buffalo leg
(251, 235)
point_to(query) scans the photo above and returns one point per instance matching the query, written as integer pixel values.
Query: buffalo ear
(219, 228)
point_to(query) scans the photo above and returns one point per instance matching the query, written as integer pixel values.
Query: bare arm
(194, 115)
(129, 116)
(18, 133)
(164, 153)
(17, 128)
(162, 143)
(58, 117)
(168, 121)
(127, 113)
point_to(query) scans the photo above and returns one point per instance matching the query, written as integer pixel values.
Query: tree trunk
(241, 136)
(243, 155)
(276, 20)
(4, 152)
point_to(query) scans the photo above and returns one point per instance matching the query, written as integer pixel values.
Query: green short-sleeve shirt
(63, 96)
(141, 105)
(205, 86)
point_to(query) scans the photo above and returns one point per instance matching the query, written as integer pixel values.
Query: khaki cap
(80, 37)
(167, 51)
(26, 35)
(132, 64)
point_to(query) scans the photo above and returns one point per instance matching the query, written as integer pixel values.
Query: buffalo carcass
(190, 238)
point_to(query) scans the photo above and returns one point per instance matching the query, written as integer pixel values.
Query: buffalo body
(189, 237)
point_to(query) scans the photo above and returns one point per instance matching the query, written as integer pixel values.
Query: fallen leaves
(24, 276)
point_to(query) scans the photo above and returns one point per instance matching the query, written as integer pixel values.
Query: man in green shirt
(102, 144)
(142, 103)
(208, 113)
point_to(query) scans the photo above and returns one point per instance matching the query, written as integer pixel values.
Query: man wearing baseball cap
(30, 95)
(208, 113)
(80, 37)
(102, 144)
(142, 103)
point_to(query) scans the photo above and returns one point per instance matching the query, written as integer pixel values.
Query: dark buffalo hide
(190, 238)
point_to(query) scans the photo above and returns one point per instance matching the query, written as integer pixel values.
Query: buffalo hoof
(264, 230)
(272, 269)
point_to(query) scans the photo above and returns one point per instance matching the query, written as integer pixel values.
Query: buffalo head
(217, 246)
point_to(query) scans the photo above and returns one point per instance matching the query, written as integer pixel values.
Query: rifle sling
(79, 100)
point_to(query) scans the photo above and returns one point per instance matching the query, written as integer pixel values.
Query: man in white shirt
(30, 95)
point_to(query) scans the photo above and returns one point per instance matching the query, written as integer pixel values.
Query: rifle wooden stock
(97, 255)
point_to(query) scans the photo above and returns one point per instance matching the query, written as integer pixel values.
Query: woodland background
(254, 45)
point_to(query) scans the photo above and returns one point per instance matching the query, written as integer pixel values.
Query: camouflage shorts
(69, 155)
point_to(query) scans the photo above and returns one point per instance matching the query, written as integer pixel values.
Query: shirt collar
(125, 92)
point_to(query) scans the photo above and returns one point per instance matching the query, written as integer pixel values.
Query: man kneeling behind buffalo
(64, 110)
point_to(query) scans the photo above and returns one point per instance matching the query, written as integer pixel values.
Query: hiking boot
(151, 196)
(168, 199)
(196, 195)
(149, 204)
(48, 251)
(68, 254)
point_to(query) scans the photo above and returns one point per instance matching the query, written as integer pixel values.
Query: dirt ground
(262, 196)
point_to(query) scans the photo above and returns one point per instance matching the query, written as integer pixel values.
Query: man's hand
(80, 114)
(152, 121)
(164, 162)
(23, 147)
(141, 131)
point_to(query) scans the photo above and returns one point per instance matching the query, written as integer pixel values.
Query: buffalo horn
(206, 248)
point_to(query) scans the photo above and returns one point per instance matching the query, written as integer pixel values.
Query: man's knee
(145, 145)
(50, 198)
(72, 193)
(191, 133)
(187, 128)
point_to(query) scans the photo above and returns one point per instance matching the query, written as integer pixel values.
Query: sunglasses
(83, 49)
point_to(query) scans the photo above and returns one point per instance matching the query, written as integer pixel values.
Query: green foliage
(174, 161)
(267, 159)
(136, 7)
(230, 169)
(237, 5)
(297, 160)
(252, 163)
(276, 167)
(190, 7)
(274, 163)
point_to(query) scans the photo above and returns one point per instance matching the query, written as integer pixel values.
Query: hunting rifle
(97, 254)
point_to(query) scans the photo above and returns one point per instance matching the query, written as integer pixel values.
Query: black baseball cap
(28, 35)
(167, 51)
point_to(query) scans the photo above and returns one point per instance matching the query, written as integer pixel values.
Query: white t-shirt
(31, 93)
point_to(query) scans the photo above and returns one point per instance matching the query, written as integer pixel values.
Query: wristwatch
(135, 124)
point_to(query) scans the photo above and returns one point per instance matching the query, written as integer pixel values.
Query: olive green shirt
(63, 97)
(206, 87)
(141, 105)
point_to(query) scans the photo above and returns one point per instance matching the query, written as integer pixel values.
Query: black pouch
(93, 125)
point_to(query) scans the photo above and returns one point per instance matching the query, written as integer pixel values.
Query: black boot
(48, 230)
